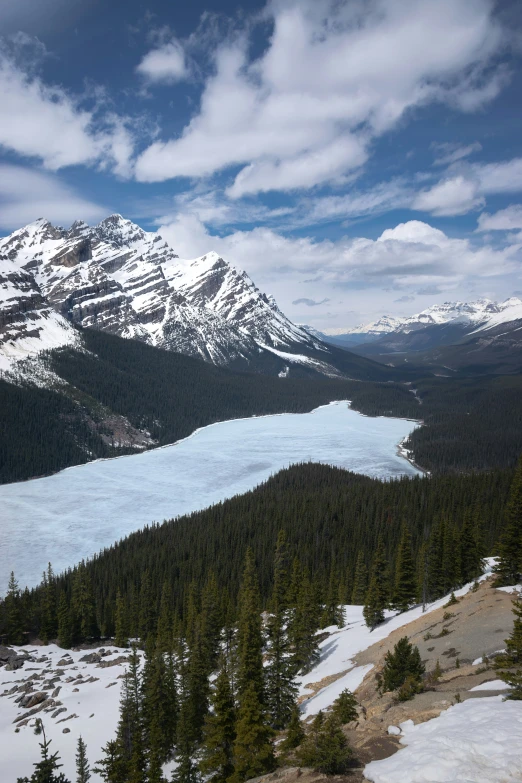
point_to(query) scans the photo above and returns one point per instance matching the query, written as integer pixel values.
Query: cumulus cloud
(334, 76)
(26, 195)
(408, 257)
(454, 196)
(504, 220)
(164, 64)
(45, 122)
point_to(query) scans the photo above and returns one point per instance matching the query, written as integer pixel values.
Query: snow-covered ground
(477, 741)
(91, 709)
(69, 516)
(339, 649)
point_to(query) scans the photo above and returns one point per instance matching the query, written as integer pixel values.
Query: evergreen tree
(129, 736)
(295, 734)
(360, 582)
(48, 625)
(112, 768)
(509, 663)
(121, 628)
(46, 770)
(158, 737)
(377, 597)
(196, 701)
(280, 591)
(65, 626)
(508, 569)
(326, 748)
(451, 566)
(294, 583)
(210, 622)
(405, 583)
(253, 748)
(14, 626)
(329, 614)
(302, 629)
(164, 628)
(186, 770)
(83, 603)
(403, 662)
(470, 554)
(219, 732)
(435, 546)
(345, 707)
(280, 688)
(249, 636)
(147, 612)
(83, 774)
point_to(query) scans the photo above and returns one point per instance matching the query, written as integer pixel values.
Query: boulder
(93, 657)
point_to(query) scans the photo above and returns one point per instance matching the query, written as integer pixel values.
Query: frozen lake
(69, 516)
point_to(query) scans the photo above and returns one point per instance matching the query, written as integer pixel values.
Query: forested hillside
(333, 519)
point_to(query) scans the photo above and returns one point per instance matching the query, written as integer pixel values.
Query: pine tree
(249, 636)
(360, 582)
(451, 566)
(295, 734)
(219, 732)
(210, 622)
(280, 688)
(302, 629)
(112, 768)
(83, 774)
(46, 770)
(329, 614)
(345, 707)
(121, 629)
(508, 569)
(253, 748)
(130, 726)
(405, 584)
(403, 662)
(83, 603)
(326, 748)
(377, 596)
(470, 555)
(436, 581)
(147, 611)
(294, 584)
(158, 737)
(65, 626)
(48, 625)
(512, 658)
(14, 626)
(186, 770)
(280, 592)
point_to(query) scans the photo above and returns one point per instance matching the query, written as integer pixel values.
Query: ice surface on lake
(69, 516)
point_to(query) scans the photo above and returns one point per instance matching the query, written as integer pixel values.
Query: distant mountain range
(480, 336)
(117, 278)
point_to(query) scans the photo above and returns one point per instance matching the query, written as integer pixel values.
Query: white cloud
(410, 257)
(26, 195)
(449, 152)
(453, 196)
(503, 177)
(334, 76)
(504, 220)
(45, 122)
(165, 64)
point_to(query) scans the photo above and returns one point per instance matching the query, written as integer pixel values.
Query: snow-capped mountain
(121, 279)
(450, 312)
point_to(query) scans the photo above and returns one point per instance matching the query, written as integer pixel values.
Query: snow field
(477, 741)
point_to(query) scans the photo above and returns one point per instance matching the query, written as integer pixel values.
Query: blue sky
(354, 156)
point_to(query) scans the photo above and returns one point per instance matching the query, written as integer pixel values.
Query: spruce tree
(210, 622)
(451, 565)
(253, 748)
(121, 628)
(219, 732)
(186, 770)
(509, 664)
(405, 583)
(129, 735)
(147, 612)
(83, 603)
(403, 662)
(14, 626)
(302, 629)
(326, 748)
(48, 625)
(377, 597)
(249, 635)
(46, 770)
(345, 707)
(83, 773)
(508, 569)
(360, 582)
(158, 737)
(280, 688)
(65, 626)
(294, 734)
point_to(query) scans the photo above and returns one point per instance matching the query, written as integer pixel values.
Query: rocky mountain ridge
(121, 279)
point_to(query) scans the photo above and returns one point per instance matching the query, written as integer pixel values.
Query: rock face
(121, 279)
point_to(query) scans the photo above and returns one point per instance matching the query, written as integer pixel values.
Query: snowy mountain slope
(87, 701)
(121, 279)
(27, 323)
